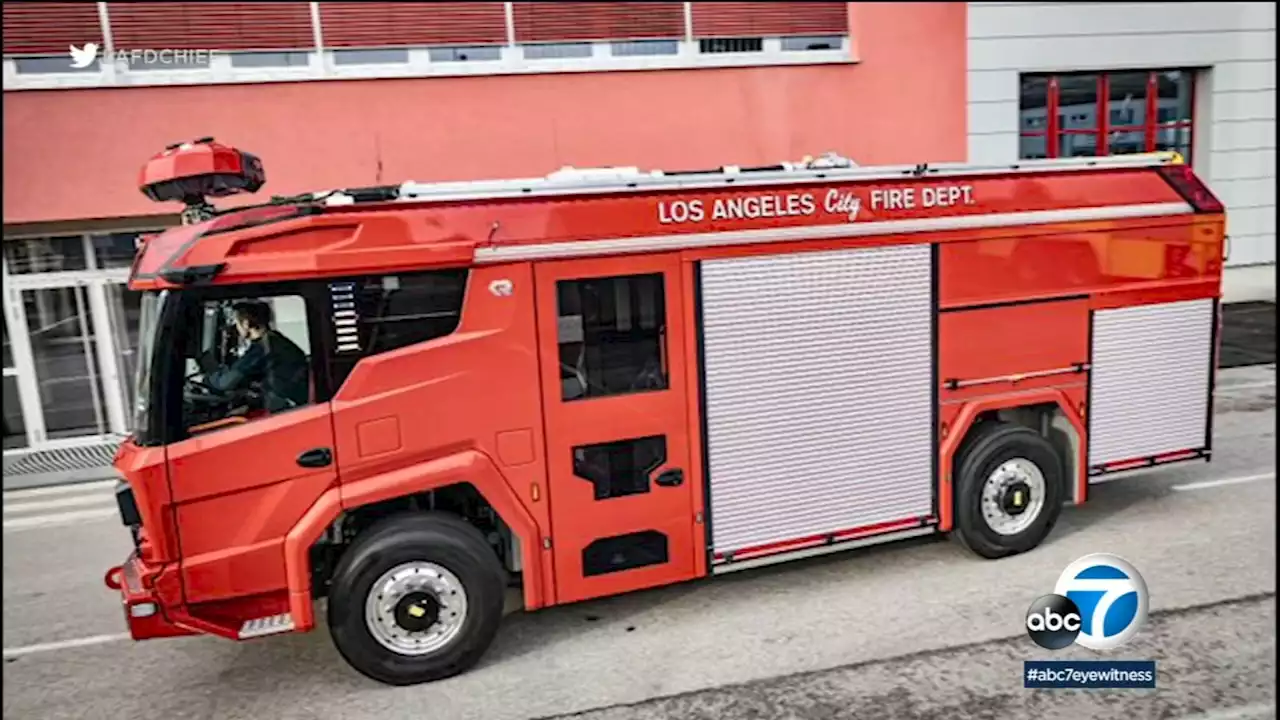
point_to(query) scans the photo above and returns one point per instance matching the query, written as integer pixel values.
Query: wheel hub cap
(1013, 496)
(416, 608)
(417, 612)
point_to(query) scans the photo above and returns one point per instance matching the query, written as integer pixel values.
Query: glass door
(64, 354)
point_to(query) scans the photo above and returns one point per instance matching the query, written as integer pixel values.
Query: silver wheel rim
(392, 595)
(1007, 485)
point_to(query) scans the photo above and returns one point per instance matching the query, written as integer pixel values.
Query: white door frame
(94, 283)
(108, 357)
(23, 362)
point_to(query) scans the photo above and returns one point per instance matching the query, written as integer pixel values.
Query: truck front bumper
(143, 611)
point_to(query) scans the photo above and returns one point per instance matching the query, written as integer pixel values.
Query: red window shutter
(49, 28)
(211, 25)
(769, 19)
(383, 24)
(577, 21)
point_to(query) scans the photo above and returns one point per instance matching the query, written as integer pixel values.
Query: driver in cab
(267, 358)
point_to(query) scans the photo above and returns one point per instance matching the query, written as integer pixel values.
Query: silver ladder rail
(577, 181)
(598, 181)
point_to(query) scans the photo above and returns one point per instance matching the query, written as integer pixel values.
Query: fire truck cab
(407, 399)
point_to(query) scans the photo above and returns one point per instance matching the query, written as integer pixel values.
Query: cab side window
(245, 357)
(376, 314)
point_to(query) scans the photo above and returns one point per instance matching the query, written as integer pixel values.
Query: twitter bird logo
(83, 57)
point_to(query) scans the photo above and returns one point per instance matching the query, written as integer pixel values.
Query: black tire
(990, 446)
(439, 538)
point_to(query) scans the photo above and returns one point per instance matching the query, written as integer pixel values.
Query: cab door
(240, 484)
(618, 445)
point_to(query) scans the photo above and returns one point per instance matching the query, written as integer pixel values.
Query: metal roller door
(1149, 387)
(818, 394)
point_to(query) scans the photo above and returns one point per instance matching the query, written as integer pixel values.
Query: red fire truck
(605, 380)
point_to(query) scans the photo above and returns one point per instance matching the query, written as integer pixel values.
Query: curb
(72, 477)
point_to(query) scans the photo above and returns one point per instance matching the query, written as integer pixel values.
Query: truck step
(270, 625)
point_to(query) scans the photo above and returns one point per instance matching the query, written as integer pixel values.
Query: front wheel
(1008, 490)
(416, 598)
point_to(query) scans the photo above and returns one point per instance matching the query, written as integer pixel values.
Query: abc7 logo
(1115, 605)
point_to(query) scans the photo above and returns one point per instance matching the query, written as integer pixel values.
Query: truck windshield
(148, 329)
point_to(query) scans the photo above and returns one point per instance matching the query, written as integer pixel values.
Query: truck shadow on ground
(642, 610)
(1109, 499)
(274, 664)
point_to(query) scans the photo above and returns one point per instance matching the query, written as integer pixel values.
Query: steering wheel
(198, 391)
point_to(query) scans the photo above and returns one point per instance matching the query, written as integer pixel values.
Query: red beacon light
(192, 172)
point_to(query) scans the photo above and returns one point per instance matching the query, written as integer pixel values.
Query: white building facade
(1209, 75)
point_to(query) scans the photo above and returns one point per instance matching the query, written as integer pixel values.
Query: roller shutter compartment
(1149, 386)
(818, 394)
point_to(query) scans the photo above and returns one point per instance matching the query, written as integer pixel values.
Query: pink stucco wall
(75, 154)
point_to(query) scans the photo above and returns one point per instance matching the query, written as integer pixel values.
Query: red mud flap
(142, 611)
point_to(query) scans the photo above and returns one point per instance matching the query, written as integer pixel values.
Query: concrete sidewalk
(58, 467)
(22, 481)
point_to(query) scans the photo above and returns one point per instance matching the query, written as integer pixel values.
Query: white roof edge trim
(665, 243)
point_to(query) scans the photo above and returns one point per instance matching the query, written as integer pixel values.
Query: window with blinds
(549, 22)
(281, 39)
(388, 24)
(233, 26)
(768, 19)
(48, 28)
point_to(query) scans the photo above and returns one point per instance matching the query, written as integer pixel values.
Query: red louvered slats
(48, 28)
(561, 21)
(769, 19)
(211, 25)
(382, 24)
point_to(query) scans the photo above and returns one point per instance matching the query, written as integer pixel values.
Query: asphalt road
(913, 630)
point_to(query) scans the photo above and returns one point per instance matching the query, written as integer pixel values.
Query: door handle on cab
(670, 478)
(315, 458)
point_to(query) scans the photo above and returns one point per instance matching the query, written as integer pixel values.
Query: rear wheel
(416, 598)
(1008, 490)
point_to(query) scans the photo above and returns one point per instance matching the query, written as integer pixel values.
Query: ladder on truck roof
(828, 168)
